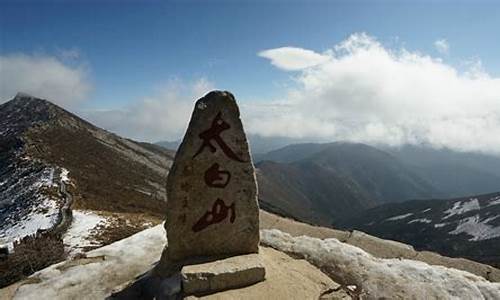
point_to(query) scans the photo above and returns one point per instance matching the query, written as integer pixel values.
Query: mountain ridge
(321, 184)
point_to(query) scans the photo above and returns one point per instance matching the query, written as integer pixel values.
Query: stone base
(229, 273)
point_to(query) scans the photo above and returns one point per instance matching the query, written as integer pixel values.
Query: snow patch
(78, 235)
(24, 207)
(439, 225)
(400, 217)
(64, 175)
(420, 221)
(114, 266)
(462, 207)
(494, 201)
(382, 278)
(479, 230)
(425, 210)
(42, 216)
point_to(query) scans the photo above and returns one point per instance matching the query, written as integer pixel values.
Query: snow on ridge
(460, 207)
(78, 235)
(383, 278)
(32, 222)
(425, 210)
(424, 220)
(479, 230)
(494, 201)
(26, 209)
(439, 225)
(64, 175)
(399, 217)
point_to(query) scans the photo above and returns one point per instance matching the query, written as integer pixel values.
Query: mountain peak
(23, 95)
(25, 111)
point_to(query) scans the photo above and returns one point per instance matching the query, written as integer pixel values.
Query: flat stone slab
(233, 272)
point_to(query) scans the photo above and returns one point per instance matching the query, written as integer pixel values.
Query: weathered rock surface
(212, 207)
(233, 272)
(286, 278)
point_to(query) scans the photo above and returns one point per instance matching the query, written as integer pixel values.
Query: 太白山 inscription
(218, 213)
(211, 188)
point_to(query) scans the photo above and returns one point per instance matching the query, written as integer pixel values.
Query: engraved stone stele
(212, 208)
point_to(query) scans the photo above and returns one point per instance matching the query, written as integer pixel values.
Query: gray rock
(212, 207)
(234, 272)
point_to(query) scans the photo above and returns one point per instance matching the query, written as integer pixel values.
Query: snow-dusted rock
(380, 247)
(383, 278)
(104, 271)
(233, 272)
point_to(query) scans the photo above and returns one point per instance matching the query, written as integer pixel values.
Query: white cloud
(42, 76)
(292, 59)
(69, 54)
(442, 46)
(366, 92)
(162, 116)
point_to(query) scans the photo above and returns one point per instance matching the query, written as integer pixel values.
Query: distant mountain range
(453, 173)
(320, 183)
(259, 144)
(365, 176)
(463, 227)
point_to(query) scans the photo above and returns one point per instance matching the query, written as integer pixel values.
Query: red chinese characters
(213, 134)
(217, 214)
(215, 176)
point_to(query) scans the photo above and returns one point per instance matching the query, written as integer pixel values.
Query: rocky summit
(212, 207)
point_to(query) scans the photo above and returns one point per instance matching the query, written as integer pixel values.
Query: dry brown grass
(106, 180)
(31, 254)
(122, 225)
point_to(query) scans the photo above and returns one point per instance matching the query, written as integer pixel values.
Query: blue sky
(129, 50)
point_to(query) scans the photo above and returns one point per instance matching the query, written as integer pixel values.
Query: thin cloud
(442, 46)
(292, 58)
(162, 116)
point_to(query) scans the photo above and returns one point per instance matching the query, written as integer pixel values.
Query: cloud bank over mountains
(164, 115)
(362, 91)
(359, 90)
(43, 76)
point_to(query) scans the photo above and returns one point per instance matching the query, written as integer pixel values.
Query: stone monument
(212, 207)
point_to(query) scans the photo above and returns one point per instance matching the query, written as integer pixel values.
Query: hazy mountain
(172, 145)
(463, 227)
(321, 182)
(259, 145)
(292, 152)
(454, 173)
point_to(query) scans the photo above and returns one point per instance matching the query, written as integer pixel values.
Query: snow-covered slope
(29, 199)
(464, 227)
